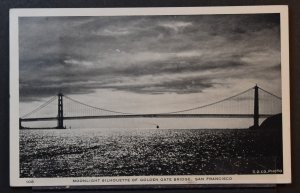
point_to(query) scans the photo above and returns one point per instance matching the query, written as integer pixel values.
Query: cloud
(175, 25)
(178, 86)
(146, 54)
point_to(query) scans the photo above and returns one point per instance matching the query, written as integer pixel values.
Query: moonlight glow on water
(124, 152)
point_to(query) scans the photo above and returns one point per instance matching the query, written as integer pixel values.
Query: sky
(147, 64)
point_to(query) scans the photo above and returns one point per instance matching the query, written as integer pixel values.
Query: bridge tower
(60, 116)
(256, 107)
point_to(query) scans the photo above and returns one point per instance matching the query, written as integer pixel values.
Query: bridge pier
(20, 123)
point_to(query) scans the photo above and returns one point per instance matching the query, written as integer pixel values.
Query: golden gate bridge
(254, 102)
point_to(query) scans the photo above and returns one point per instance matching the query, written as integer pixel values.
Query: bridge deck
(148, 116)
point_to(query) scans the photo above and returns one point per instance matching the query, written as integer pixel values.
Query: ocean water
(127, 152)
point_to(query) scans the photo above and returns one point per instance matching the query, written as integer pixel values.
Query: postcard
(149, 96)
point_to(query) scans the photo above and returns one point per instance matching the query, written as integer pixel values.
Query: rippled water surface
(123, 152)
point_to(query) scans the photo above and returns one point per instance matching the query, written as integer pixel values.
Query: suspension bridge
(253, 103)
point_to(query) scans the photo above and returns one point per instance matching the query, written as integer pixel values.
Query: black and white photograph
(149, 96)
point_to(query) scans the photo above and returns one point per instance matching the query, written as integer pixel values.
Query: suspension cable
(210, 104)
(270, 93)
(102, 109)
(40, 107)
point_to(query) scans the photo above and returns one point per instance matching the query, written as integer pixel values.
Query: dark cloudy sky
(148, 63)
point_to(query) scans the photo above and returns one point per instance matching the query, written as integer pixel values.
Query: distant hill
(274, 123)
(271, 123)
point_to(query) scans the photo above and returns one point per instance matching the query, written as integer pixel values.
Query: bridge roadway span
(148, 116)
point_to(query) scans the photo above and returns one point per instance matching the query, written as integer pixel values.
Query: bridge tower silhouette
(60, 114)
(256, 108)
